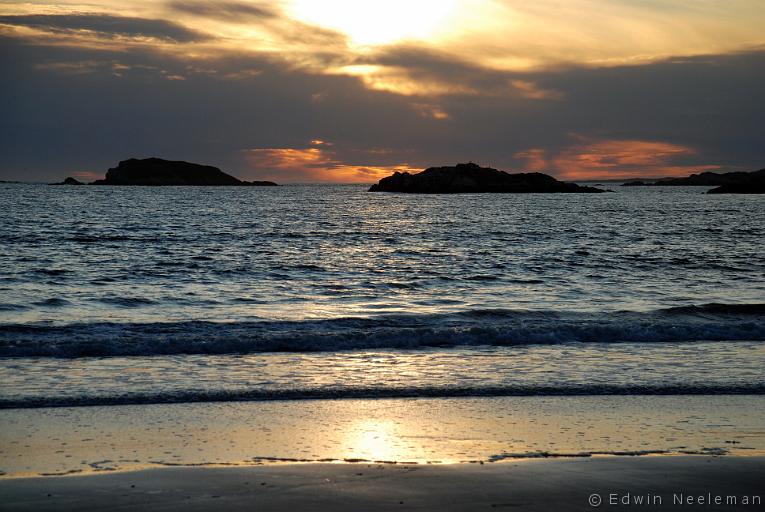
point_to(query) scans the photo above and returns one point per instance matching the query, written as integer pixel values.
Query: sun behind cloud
(375, 23)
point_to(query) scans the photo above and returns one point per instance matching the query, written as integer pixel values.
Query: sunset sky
(352, 90)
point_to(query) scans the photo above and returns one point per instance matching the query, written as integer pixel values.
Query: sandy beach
(531, 453)
(663, 483)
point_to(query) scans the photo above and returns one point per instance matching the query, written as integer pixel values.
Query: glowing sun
(375, 22)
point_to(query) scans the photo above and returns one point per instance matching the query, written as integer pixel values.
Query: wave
(53, 302)
(710, 322)
(127, 302)
(108, 238)
(344, 392)
(12, 307)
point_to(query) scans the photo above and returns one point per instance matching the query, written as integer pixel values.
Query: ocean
(134, 295)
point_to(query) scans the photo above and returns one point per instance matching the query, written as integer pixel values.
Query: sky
(350, 91)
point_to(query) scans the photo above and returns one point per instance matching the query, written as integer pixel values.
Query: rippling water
(133, 272)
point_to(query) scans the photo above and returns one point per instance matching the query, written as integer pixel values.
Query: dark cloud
(419, 57)
(430, 65)
(105, 26)
(236, 12)
(713, 103)
(699, 111)
(61, 121)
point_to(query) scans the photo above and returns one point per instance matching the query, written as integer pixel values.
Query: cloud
(412, 69)
(604, 159)
(418, 70)
(532, 91)
(534, 159)
(115, 67)
(483, 48)
(518, 35)
(72, 107)
(104, 25)
(431, 110)
(199, 30)
(87, 175)
(262, 27)
(318, 163)
(234, 12)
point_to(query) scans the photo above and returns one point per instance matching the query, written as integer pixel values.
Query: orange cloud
(316, 164)
(431, 111)
(530, 90)
(606, 159)
(87, 175)
(536, 159)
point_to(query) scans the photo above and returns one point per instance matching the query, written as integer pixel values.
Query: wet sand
(38, 442)
(529, 485)
(525, 453)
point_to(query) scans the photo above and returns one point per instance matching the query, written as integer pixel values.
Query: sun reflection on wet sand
(97, 439)
(372, 440)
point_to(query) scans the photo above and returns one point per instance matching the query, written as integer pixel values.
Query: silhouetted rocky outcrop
(467, 178)
(69, 181)
(713, 179)
(728, 182)
(742, 183)
(159, 172)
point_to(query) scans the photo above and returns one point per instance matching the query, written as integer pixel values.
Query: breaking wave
(711, 322)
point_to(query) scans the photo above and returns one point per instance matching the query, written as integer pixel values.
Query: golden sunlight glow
(318, 163)
(374, 23)
(373, 440)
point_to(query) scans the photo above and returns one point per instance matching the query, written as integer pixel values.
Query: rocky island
(159, 172)
(69, 181)
(713, 179)
(472, 178)
(726, 183)
(749, 183)
(757, 187)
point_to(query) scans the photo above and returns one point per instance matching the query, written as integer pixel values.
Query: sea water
(145, 295)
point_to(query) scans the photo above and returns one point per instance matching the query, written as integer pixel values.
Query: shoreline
(529, 485)
(319, 394)
(506, 459)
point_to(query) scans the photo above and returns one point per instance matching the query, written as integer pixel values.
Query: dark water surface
(105, 279)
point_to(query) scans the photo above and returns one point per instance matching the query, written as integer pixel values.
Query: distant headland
(472, 178)
(156, 172)
(726, 183)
